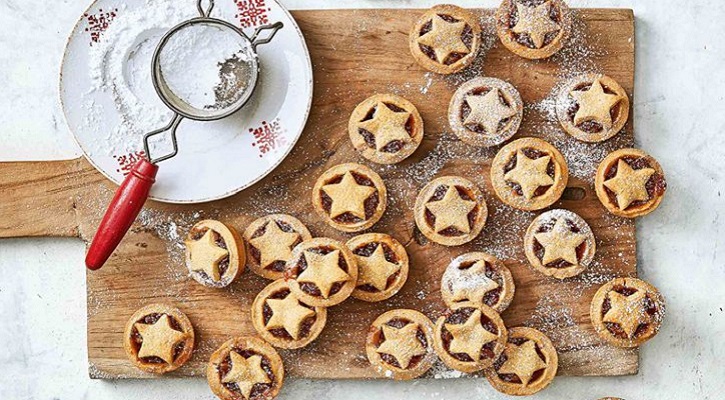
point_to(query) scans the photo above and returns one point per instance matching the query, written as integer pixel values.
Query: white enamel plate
(109, 102)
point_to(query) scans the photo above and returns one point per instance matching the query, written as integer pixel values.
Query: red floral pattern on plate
(127, 161)
(252, 13)
(268, 137)
(98, 23)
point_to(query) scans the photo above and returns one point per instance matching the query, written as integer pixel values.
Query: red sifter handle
(123, 210)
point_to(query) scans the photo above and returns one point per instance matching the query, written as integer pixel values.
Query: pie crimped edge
(403, 260)
(235, 247)
(259, 323)
(508, 195)
(505, 34)
(507, 285)
(179, 317)
(254, 265)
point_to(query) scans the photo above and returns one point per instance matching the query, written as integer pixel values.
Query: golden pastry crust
(408, 353)
(321, 272)
(592, 107)
(445, 31)
(213, 247)
(273, 244)
(627, 312)
(265, 368)
(360, 195)
(523, 179)
(283, 320)
(479, 278)
(386, 128)
(382, 266)
(469, 337)
(540, 32)
(633, 177)
(559, 243)
(450, 210)
(485, 112)
(527, 365)
(166, 329)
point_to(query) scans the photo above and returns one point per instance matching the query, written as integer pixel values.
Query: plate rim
(272, 167)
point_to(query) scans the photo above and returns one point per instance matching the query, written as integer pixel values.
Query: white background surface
(680, 85)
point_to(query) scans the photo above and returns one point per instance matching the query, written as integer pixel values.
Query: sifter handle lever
(122, 212)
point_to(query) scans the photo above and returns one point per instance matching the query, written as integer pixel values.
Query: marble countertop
(679, 107)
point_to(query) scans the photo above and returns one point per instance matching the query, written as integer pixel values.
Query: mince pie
(158, 338)
(245, 368)
(527, 365)
(478, 278)
(469, 337)
(533, 29)
(283, 320)
(215, 253)
(386, 128)
(529, 174)
(450, 211)
(445, 39)
(627, 312)
(350, 197)
(321, 272)
(630, 183)
(399, 344)
(382, 266)
(485, 112)
(559, 243)
(270, 241)
(592, 107)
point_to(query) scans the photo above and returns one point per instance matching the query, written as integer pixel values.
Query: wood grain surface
(356, 53)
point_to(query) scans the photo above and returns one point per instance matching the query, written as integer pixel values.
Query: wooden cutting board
(355, 53)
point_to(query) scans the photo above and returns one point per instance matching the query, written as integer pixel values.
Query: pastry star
(530, 174)
(288, 314)
(560, 243)
(451, 211)
(375, 269)
(323, 271)
(403, 343)
(627, 311)
(522, 361)
(275, 244)
(245, 373)
(159, 339)
(470, 337)
(629, 184)
(595, 105)
(535, 22)
(488, 111)
(473, 284)
(445, 38)
(206, 255)
(348, 196)
(387, 126)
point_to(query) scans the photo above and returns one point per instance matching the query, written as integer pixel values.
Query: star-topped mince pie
(382, 266)
(450, 211)
(350, 197)
(158, 338)
(270, 241)
(386, 128)
(533, 29)
(469, 337)
(321, 272)
(399, 344)
(529, 174)
(627, 312)
(592, 107)
(215, 253)
(630, 183)
(485, 112)
(477, 278)
(527, 365)
(559, 243)
(445, 39)
(283, 320)
(245, 368)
